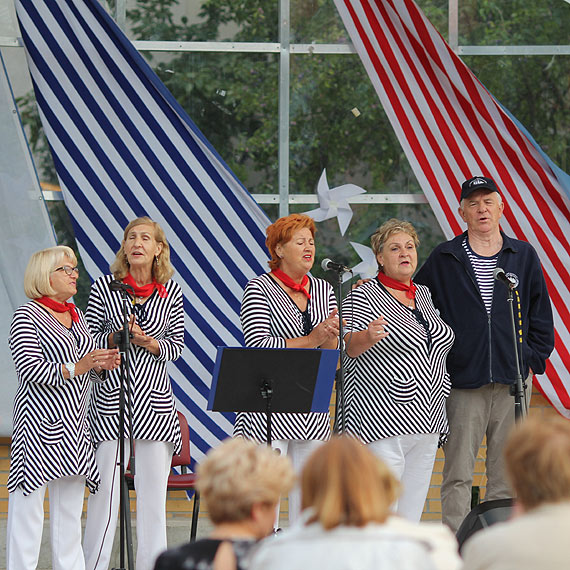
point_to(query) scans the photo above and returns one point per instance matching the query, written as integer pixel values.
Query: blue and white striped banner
(123, 147)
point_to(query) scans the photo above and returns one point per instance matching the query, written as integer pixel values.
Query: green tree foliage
(535, 89)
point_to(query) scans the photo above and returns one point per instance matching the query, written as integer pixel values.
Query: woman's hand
(361, 341)
(325, 334)
(98, 359)
(141, 339)
(376, 330)
(359, 283)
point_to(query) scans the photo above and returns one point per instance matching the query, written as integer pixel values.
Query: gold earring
(156, 260)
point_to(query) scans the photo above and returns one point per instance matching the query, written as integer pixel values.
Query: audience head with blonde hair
(343, 483)
(238, 475)
(537, 455)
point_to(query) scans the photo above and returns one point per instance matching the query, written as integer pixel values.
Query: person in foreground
(346, 524)
(287, 308)
(55, 358)
(241, 483)
(481, 364)
(157, 329)
(396, 377)
(537, 457)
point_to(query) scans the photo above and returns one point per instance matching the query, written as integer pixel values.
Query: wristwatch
(70, 368)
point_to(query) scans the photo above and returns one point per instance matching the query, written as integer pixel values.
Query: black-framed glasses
(421, 319)
(68, 270)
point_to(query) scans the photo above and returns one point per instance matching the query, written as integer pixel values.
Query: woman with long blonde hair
(157, 337)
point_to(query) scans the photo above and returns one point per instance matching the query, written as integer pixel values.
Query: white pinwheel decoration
(368, 267)
(333, 202)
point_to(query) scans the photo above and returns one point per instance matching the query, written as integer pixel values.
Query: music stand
(295, 380)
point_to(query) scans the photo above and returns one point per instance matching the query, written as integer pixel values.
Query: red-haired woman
(286, 308)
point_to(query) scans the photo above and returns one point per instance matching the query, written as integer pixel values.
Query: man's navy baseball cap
(477, 183)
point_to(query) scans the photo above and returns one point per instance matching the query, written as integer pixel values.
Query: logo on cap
(477, 181)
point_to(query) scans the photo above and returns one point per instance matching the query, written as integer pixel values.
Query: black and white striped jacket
(399, 385)
(51, 434)
(154, 411)
(269, 317)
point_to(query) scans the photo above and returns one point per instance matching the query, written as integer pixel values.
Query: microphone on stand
(117, 285)
(330, 265)
(500, 275)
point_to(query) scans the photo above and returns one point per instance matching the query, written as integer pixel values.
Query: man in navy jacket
(481, 363)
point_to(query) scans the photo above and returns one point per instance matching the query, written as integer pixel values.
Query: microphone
(117, 285)
(330, 265)
(500, 275)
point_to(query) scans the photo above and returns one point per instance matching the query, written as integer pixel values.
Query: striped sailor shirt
(51, 434)
(399, 385)
(152, 400)
(269, 317)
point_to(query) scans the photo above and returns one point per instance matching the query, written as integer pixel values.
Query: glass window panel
(513, 22)
(535, 90)
(338, 123)
(318, 21)
(209, 20)
(233, 99)
(437, 12)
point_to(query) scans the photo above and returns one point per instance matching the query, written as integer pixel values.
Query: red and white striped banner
(451, 128)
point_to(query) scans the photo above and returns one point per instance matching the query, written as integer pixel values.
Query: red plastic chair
(183, 481)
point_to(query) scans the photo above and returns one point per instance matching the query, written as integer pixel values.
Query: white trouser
(411, 459)
(152, 467)
(26, 521)
(298, 452)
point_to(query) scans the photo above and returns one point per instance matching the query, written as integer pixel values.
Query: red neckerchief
(59, 307)
(286, 280)
(393, 284)
(146, 290)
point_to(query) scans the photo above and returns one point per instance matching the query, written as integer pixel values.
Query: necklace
(407, 301)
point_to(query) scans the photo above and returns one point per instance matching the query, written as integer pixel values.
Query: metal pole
(284, 84)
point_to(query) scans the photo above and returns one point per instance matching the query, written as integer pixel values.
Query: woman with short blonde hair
(240, 473)
(56, 360)
(396, 378)
(41, 264)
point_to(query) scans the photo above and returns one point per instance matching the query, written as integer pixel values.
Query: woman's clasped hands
(327, 331)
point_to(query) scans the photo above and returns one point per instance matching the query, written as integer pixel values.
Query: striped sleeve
(100, 326)
(356, 311)
(256, 317)
(172, 344)
(28, 355)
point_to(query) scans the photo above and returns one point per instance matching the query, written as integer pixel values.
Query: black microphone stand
(519, 387)
(122, 339)
(339, 400)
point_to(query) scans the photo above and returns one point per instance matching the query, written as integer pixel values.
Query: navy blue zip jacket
(483, 351)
